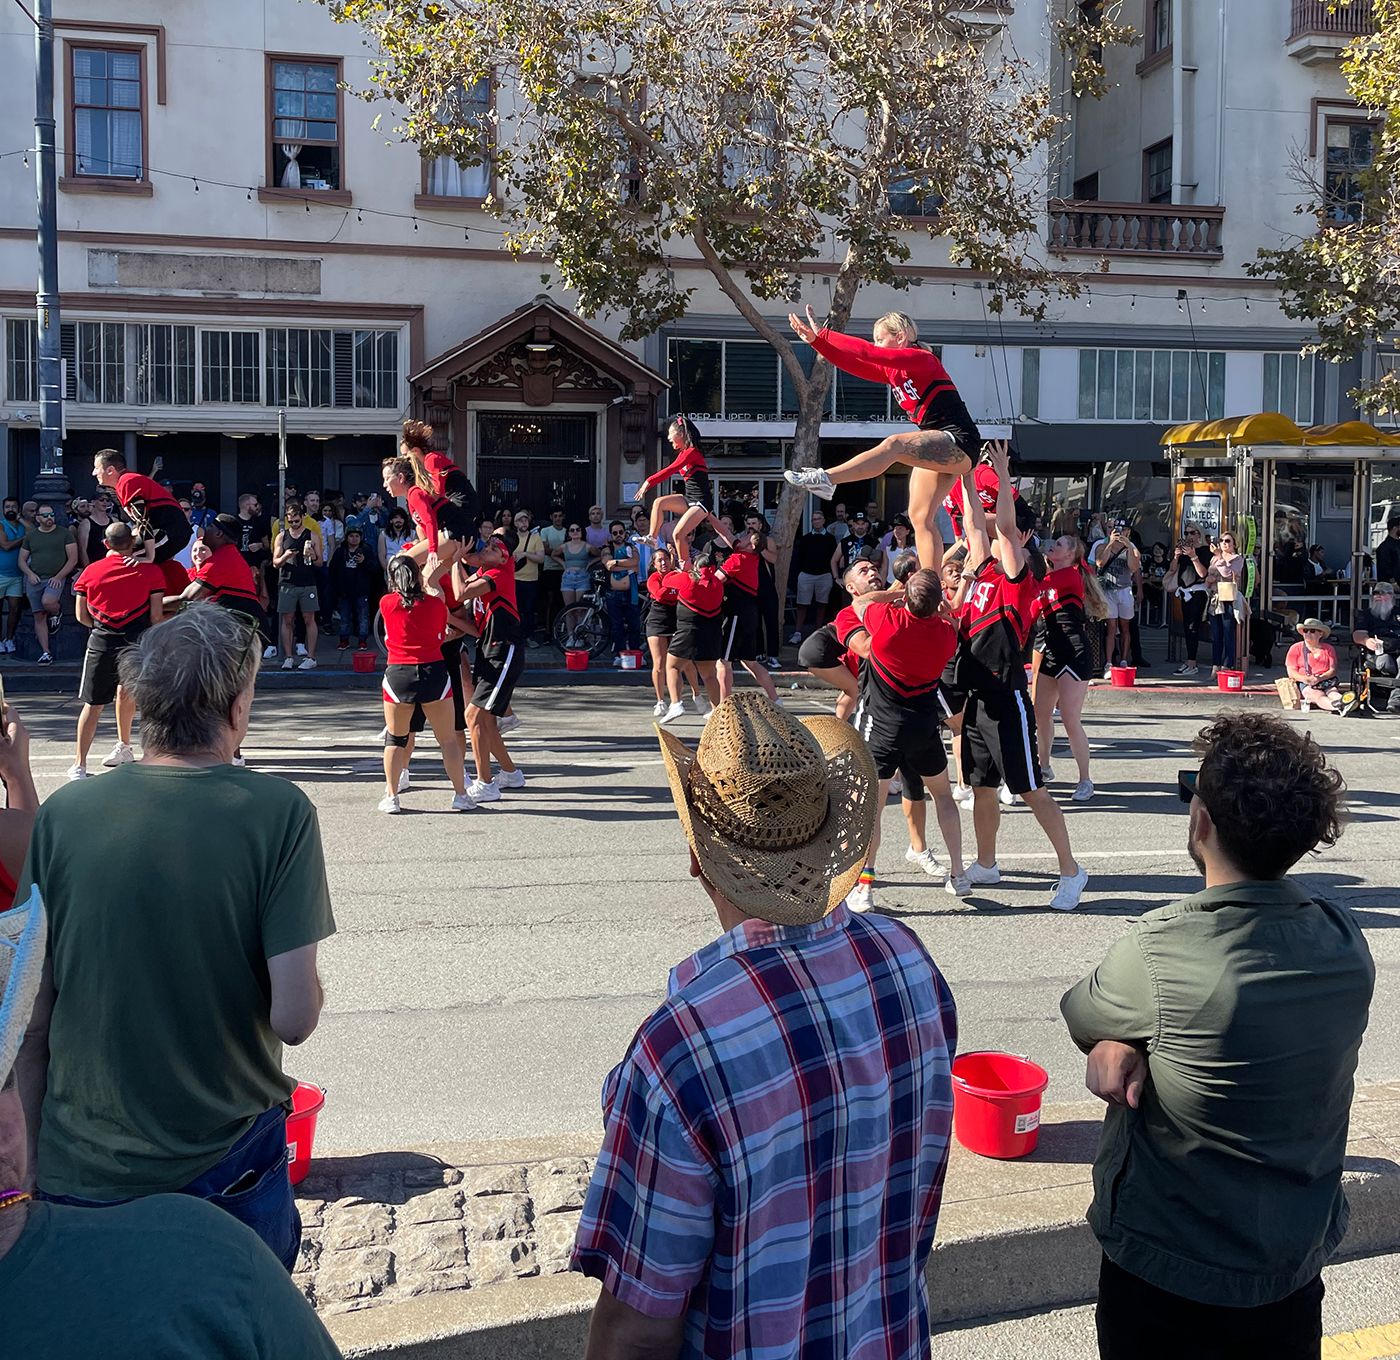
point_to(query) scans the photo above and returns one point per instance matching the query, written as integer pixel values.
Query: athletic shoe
(1008, 799)
(1047, 775)
(389, 803)
(309, 664)
(364, 645)
(862, 897)
(978, 875)
(703, 707)
(957, 885)
(925, 860)
(658, 709)
(507, 724)
(962, 795)
(1189, 668)
(673, 711)
(301, 649)
(122, 754)
(289, 663)
(45, 659)
(482, 792)
(814, 480)
(462, 802)
(1108, 672)
(8, 646)
(794, 638)
(269, 653)
(1069, 891)
(78, 772)
(509, 779)
(405, 783)
(239, 762)
(344, 645)
(897, 786)
(1083, 791)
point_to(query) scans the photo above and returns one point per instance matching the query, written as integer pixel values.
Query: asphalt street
(491, 966)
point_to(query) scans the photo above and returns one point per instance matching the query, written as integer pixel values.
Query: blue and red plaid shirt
(775, 1143)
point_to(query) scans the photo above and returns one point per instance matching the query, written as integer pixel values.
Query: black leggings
(1193, 611)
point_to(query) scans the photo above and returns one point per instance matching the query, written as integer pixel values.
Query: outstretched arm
(848, 352)
(1014, 554)
(979, 546)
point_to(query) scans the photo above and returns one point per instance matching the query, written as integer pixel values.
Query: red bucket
(362, 663)
(996, 1103)
(1122, 677)
(631, 660)
(1230, 681)
(301, 1129)
(576, 660)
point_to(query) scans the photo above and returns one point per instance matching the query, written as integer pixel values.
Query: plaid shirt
(775, 1143)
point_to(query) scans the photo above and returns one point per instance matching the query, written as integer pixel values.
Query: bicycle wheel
(580, 628)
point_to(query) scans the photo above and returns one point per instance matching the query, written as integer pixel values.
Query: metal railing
(1349, 21)
(1177, 229)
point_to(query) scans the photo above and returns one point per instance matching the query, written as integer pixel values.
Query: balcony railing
(1348, 21)
(1174, 229)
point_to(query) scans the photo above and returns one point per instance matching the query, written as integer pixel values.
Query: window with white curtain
(305, 134)
(465, 108)
(105, 90)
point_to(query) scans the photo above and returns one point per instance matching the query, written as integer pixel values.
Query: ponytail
(405, 580)
(686, 428)
(417, 436)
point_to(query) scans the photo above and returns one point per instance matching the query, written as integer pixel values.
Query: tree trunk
(806, 451)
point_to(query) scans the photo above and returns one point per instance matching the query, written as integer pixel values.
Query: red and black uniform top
(497, 614)
(697, 597)
(228, 579)
(155, 513)
(660, 591)
(690, 466)
(741, 580)
(846, 625)
(423, 510)
(920, 383)
(1060, 615)
(995, 623)
(413, 635)
(119, 594)
(984, 478)
(450, 483)
(907, 653)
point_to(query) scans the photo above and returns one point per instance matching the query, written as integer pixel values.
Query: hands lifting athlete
(806, 330)
(998, 453)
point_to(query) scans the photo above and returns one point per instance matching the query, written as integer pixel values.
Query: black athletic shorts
(452, 659)
(171, 530)
(1076, 666)
(820, 651)
(495, 676)
(98, 682)
(697, 491)
(661, 620)
(696, 639)
(903, 741)
(457, 522)
(425, 684)
(739, 636)
(998, 741)
(969, 440)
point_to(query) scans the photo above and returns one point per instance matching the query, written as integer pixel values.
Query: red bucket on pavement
(1230, 680)
(1122, 677)
(996, 1103)
(301, 1129)
(631, 661)
(362, 663)
(575, 660)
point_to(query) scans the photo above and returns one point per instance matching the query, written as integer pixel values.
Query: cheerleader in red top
(659, 628)
(740, 632)
(946, 443)
(695, 504)
(699, 600)
(407, 479)
(415, 624)
(454, 496)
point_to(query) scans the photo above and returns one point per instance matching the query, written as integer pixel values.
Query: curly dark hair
(1269, 790)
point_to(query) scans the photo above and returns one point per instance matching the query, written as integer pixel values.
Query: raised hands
(806, 330)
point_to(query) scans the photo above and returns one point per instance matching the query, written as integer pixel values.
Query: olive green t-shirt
(167, 890)
(48, 553)
(164, 1278)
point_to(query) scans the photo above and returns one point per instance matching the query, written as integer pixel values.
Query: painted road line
(1371, 1343)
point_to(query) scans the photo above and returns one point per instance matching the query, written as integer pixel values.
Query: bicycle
(583, 627)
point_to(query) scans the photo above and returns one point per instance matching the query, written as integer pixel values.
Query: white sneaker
(289, 663)
(1083, 791)
(897, 786)
(301, 649)
(1108, 672)
(673, 711)
(1047, 774)
(979, 875)
(78, 772)
(509, 779)
(270, 652)
(507, 724)
(122, 754)
(658, 709)
(794, 638)
(462, 802)
(405, 783)
(814, 480)
(1069, 891)
(925, 860)
(1008, 799)
(484, 793)
(309, 664)
(962, 795)
(862, 897)
(704, 707)
(957, 885)
(389, 803)
(7, 646)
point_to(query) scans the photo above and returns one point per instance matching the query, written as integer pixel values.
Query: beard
(1191, 848)
(1382, 607)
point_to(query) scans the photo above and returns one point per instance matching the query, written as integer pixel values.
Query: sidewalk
(462, 1250)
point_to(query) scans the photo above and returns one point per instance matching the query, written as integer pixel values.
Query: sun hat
(778, 812)
(22, 936)
(1308, 625)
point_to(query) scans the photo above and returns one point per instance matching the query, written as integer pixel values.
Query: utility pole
(51, 484)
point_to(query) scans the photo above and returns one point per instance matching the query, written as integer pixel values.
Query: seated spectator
(1312, 664)
(742, 1203)
(155, 1061)
(1376, 630)
(1388, 550)
(1316, 566)
(163, 1276)
(1223, 1032)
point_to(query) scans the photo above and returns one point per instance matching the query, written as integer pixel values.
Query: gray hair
(185, 673)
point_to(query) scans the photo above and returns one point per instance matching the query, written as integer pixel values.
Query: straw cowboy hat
(22, 936)
(1315, 625)
(778, 812)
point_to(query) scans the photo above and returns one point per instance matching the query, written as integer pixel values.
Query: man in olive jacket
(1223, 1032)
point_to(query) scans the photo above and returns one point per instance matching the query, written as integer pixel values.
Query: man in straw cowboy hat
(776, 1137)
(162, 1277)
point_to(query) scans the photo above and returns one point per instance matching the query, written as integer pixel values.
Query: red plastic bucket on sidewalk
(631, 661)
(575, 660)
(363, 663)
(1230, 680)
(996, 1103)
(301, 1129)
(1122, 677)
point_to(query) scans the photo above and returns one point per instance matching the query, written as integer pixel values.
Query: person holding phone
(1225, 584)
(1120, 565)
(296, 555)
(1186, 578)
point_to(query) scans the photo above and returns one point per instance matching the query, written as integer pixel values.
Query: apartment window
(1159, 31)
(299, 367)
(1288, 386)
(21, 359)
(228, 367)
(1350, 154)
(1157, 173)
(1165, 386)
(102, 361)
(750, 380)
(106, 112)
(1030, 383)
(443, 176)
(304, 140)
(627, 167)
(377, 369)
(752, 157)
(1086, 188)
(164, 364)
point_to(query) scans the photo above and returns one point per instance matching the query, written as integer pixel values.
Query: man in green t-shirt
(47, 558)
(187, 898)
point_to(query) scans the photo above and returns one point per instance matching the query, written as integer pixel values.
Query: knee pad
(392, 740)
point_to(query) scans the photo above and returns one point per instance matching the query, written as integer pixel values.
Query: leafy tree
(1345, 277)
(753, 137)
